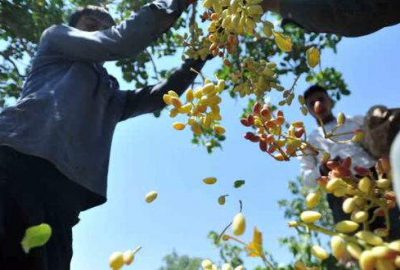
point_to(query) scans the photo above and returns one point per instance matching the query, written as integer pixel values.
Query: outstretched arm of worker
(150, 99)
(342, 17)
(127, 39)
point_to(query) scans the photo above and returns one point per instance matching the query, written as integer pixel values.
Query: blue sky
(148, 154)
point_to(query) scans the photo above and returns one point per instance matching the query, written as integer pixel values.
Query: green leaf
(238, 183)
(36, 236)
(345, 92)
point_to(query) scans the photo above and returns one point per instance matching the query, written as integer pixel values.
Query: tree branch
(10, 60)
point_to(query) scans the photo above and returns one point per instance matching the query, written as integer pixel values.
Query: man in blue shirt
(55, 142)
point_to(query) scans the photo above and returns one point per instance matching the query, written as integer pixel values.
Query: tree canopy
(23, 21)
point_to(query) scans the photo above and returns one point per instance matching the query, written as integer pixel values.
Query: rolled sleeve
(150, 99)
(170, 7)
(309, 14)
(342, 17)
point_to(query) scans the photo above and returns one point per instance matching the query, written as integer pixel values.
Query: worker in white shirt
(310, 164)
(395, 160)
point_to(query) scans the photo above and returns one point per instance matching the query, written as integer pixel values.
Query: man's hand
(381, 127)
(324, 169)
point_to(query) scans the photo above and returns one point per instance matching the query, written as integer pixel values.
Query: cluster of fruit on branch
(366, 198)
(229, 22)
(118, 259)
(270, 133)
(201, 107)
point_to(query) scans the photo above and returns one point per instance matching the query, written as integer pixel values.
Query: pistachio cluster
(365, 198)
(201, 108)
(272, 135)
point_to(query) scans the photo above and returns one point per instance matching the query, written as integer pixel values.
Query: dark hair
(96, 11)
(314, 89)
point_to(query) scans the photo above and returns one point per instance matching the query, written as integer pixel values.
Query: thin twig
(294, 83)
(199, 73)
(223, 232)
(136, 250)
(193, 15)
(153, 64)
(230, 224)
(266, 262)
(9, 59)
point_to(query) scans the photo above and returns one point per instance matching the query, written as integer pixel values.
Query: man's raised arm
(150, 99)
(121, 41)
(342, 17)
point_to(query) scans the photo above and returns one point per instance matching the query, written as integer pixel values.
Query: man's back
(67, 110)
(70, 106)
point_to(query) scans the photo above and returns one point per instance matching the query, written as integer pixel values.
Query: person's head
(317, 93)
(91, 18)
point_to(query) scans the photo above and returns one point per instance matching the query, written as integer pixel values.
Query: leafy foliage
(228, 252)
(174, 261)
(293, 62)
